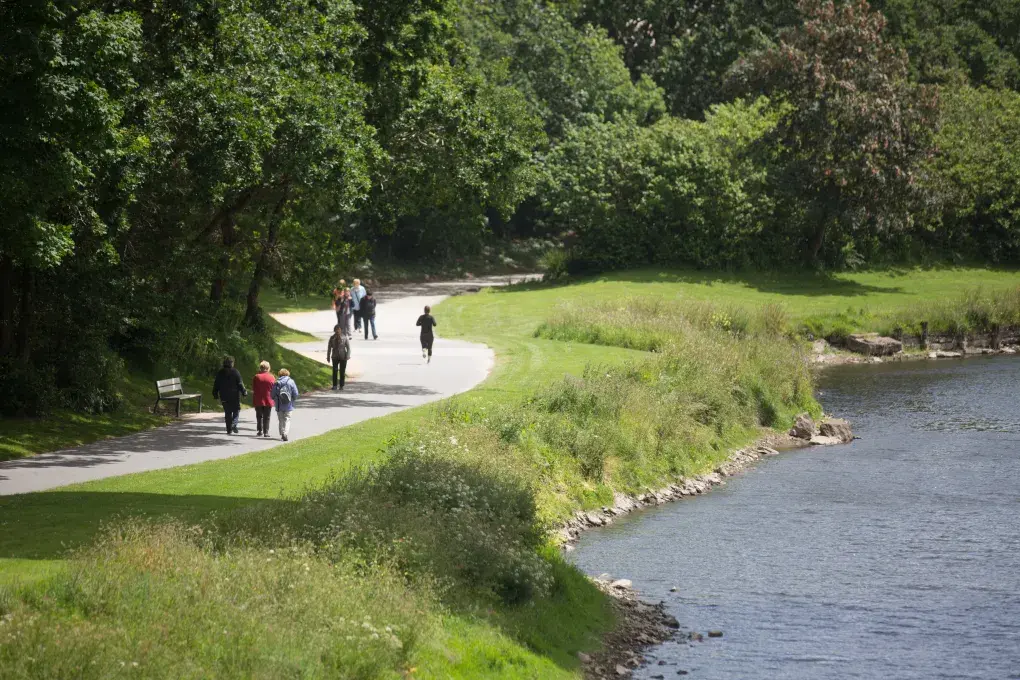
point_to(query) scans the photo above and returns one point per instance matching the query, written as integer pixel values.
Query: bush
(431, 509)
(28, 390)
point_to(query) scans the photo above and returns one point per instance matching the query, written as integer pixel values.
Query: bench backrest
(170, 386)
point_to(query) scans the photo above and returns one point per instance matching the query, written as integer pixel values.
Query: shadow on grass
(47, 525)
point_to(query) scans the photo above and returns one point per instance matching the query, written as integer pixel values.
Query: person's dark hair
(228, 362)
(428, 310)
(336, 328)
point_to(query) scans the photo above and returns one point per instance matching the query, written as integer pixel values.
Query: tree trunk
(251, 314)
(26, 314)
(815, 245)
(8, 300)
(228, 234)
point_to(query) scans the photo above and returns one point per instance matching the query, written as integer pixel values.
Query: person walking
(427, 323)
(346, 311)
(357, 295)
(368, 313)
(336, 304)
(229, 388)
(284, 393)
(338, 351)
(262, 398)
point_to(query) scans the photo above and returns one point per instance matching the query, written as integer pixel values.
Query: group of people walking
(268, 391)
(354, 304)
(350, 304)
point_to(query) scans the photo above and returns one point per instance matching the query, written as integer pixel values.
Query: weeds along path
(385, 375)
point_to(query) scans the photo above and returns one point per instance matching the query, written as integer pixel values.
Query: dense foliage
(163, 162)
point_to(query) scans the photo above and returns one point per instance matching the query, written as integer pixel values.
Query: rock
(715, 633)
(948, 355)
(623, 671)
(660, 676)
(583, 658)
(836, 427)
(671, 622)
(673, 589)
(933, 355)
(594, 519)
(681, 672)
(820, 440)
(819, 346)
(803, 427)
(874, 345)
(622, 584)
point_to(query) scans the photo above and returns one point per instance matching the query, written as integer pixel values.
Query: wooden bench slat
(171, 389)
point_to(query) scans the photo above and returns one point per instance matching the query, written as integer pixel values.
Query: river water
(897, 556)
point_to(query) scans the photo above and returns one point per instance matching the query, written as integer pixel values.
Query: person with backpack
(338, 351)
(368, 313)
(262, 387)
(427, 323)
(284, 393)
(229, 388)
(357, 295)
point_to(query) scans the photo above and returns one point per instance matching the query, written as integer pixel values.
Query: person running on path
(285, 393)
(262, 387)
(229, 388)
(427, 323)
(357, 295)
(368, 313)
(338, 351)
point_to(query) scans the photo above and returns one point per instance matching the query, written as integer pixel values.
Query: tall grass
(156, 601)
(651, 324)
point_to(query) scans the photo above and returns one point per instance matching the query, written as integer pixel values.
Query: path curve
(388, 375)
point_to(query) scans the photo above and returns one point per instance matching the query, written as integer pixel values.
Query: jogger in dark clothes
(229, 388)
(427, 323)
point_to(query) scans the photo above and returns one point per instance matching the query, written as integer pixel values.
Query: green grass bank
(370, 510)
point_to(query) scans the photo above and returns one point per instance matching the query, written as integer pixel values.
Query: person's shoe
(334, 388)
(267, 435)
(341, 388)
(375, 337)
(424, 353)
(284, 437)
(237, 431)
(259, 433)
(429, 360)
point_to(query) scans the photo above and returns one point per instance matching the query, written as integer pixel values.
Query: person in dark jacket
(229, 388)
(368, 313)
(338, 351)
(427, 323)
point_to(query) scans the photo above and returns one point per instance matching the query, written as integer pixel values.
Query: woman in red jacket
(261, 386)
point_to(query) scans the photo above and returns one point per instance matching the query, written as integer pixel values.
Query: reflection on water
(897, 556)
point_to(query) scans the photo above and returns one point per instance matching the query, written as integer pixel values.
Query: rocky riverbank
(643, 625)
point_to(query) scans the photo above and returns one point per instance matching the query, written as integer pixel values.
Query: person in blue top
(285, 393)
(357, 295)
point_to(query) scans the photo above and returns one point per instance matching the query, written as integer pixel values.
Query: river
(897, 556)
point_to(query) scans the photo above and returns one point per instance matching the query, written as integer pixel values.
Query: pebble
(715, 633)
(623, 671)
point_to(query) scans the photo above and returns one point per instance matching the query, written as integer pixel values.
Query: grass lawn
(36, 530)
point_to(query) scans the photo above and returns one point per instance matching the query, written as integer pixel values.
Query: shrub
(28, 390)
(431, 509)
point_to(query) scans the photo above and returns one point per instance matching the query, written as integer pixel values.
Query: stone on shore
(821, 440)
(622, 584)
(874, 345)
(803, 427)
(836, 427)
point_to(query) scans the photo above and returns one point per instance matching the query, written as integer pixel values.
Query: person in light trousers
(285, 393)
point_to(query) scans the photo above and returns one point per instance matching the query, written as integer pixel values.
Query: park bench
(172, 390)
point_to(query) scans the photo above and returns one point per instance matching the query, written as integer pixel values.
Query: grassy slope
(21, 437)
(37, 529)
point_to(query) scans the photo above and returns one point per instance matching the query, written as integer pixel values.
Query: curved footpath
(384, 376)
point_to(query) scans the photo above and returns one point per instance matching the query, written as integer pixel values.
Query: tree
(64, 71)
(856, 133)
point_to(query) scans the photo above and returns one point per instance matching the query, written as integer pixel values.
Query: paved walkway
(389, 375)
